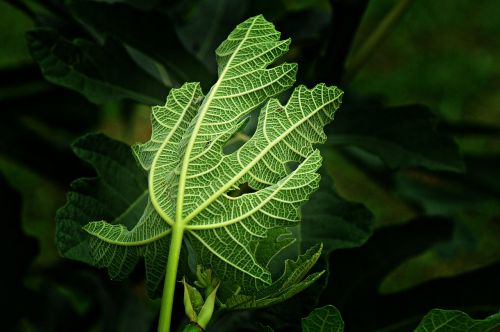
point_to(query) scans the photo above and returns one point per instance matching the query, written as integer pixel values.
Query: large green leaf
(438, 320)
(94, 71)
(325, 319)
(194, 185)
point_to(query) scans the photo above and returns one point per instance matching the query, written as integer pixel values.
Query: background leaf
(333, 221)
(86, 67)
(201, 25)
(453, 320)
(139, 30)
(118, 194)
(403, 136)
(325, 319)
(362, 269)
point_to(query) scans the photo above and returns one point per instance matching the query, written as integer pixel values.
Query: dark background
(417, 141)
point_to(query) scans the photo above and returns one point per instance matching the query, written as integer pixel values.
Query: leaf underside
(438, 320)
(191, 178)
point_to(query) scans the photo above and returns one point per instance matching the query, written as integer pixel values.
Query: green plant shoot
(190, 177)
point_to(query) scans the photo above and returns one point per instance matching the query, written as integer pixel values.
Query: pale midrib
(260, 87)
(250, 212)
(194, 133)
(133, 243)
(154, 199)
(251, 164)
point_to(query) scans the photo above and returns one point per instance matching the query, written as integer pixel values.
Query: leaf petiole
(170, 278)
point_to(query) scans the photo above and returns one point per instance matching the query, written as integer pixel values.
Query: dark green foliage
(118, 194)
(453, 320)
(87, 68)
(140, 30)
(17, 241)
(408, 205)
(404, 136)
(333, 221)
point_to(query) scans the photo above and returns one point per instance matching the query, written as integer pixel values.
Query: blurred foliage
(13, 25)
(442, 55)
(417, 141)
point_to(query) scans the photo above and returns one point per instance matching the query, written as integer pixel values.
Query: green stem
(356, 62)
(167, 299)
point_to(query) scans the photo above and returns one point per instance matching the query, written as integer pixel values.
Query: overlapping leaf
(150, 32)
(118, 194)
(88, 68)
(293, 280)
(191, 179)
